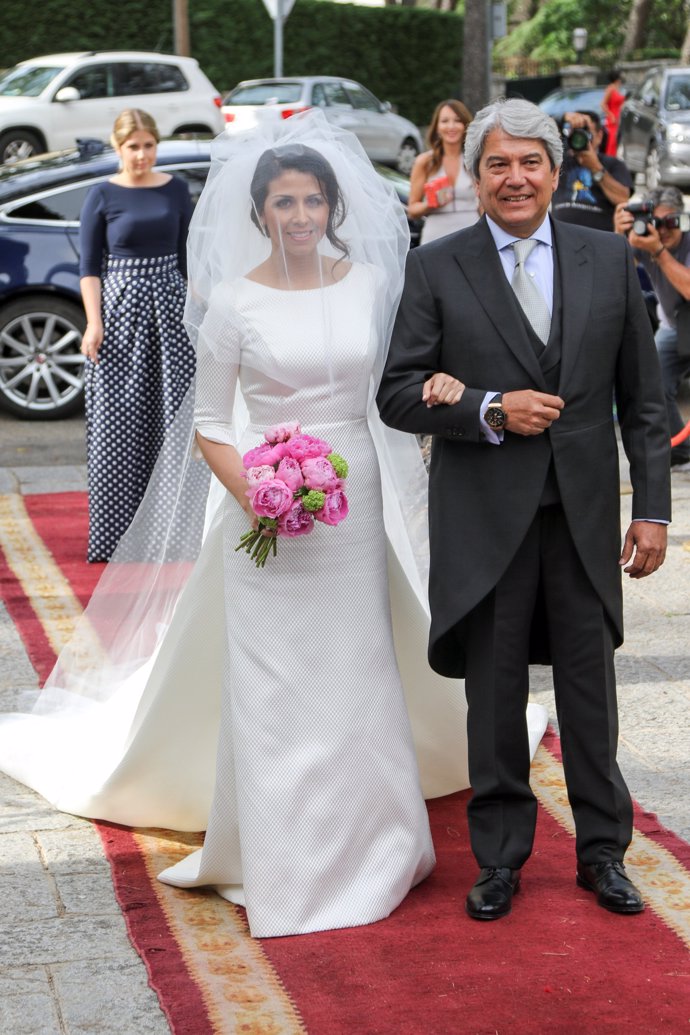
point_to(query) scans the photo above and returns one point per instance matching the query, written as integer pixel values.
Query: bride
(314, 812)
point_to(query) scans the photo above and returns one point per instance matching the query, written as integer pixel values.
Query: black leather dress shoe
(611, 885)
(492, 895)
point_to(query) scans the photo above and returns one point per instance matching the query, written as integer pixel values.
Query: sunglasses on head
(666, 222)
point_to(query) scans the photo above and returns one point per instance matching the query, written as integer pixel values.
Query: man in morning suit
(510, 354)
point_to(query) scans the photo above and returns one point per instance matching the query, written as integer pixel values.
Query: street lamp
(579, 42)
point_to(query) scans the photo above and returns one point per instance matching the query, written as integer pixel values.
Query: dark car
(574, 98)
(654, 131)
(41, 314)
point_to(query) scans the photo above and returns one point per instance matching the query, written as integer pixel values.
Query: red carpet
(558, 964)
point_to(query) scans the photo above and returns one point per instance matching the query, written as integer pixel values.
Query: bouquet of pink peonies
(293, 480)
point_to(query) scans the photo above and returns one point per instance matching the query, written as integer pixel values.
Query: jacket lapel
(482, 267)
(577, 273)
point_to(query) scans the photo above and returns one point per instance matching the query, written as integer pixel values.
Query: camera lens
(579, 139)
(640, 227)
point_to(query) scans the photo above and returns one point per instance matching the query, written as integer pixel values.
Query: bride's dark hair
(300, 158)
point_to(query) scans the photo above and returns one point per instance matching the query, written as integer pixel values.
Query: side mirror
(67, 93)
(386, 106)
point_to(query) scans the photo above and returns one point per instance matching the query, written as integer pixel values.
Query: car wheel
(652, 172)
(17, 144)
(41, 367)
(406, 156)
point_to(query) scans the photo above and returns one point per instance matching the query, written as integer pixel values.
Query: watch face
(495, 416)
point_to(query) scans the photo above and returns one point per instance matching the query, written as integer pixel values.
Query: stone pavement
(66, 965)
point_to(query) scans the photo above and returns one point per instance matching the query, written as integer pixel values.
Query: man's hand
(649, 242)
(590, 156)
(442, 388)
(647, 541)
(622, 224)
(530, 412)
(622, 219)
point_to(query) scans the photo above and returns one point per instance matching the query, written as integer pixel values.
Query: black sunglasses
(666, 222)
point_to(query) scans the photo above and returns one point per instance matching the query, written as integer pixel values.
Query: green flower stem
(258, 545)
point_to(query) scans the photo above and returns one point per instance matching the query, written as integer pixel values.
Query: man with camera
(591, 184)
(658, 230)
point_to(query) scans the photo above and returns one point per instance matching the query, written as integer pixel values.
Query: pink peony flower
(272, 498)
(290, 472)
(256, 475)
(295, 521)
(335, 508)
(319, 474)
(304, 447)
(281, 432)
(264, 454)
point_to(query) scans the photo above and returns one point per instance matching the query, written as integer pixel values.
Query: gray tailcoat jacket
(459, 315)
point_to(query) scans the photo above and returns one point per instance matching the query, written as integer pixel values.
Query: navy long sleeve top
(134, 222)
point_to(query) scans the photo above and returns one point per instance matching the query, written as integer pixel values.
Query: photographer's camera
(643, 212)
(577, 138)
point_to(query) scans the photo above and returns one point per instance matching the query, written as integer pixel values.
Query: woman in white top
(446, 206)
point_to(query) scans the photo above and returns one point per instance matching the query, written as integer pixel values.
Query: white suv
(47, 102)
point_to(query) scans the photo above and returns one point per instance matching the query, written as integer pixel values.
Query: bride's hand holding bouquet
(293, 480)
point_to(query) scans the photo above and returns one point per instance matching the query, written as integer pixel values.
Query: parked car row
(654, 130)
(48, 102)
(41, 315)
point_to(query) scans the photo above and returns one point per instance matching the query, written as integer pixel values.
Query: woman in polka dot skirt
(140, 361)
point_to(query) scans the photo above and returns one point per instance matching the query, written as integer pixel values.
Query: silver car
(385, 136)
(654, 131)
(47, 102)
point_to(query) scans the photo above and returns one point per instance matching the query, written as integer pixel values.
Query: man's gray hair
(517, 118)
(669, 197)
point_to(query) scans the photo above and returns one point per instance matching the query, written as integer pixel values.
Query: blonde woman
(441, 189)
(139, 361)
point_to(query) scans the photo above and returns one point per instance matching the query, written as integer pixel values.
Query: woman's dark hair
(274, 162)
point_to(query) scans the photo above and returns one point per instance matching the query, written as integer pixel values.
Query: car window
(265, 93)
(650, 88)
(27, 82)
(142, 77)
(195, 178)
(361, 98)
(335, 95)
(64, 205)
(318, 96)
(93, 82)
(678, 93)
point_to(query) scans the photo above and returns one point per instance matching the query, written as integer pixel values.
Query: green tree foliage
(548, 35)
(409, 56)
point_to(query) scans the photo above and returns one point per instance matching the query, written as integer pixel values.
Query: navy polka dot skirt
(146, 364)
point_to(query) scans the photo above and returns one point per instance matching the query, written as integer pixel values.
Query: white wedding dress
(318, 818)
(316, 815)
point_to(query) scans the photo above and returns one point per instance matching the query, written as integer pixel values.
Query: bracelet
(655, 256)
